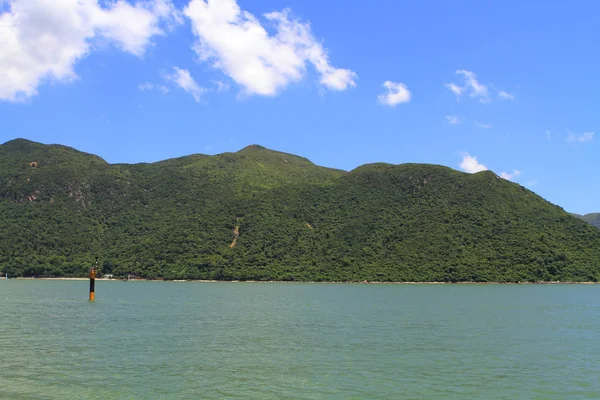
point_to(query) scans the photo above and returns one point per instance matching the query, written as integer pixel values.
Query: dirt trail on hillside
(236, 233)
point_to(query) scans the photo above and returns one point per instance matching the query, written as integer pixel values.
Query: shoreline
(315, 282)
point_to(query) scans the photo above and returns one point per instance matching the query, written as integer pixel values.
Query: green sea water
(161, 340)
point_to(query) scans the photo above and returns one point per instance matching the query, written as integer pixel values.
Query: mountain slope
(593, 218)
(266, 215)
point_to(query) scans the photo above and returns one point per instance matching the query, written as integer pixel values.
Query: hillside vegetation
(593, 219)
(259, 214)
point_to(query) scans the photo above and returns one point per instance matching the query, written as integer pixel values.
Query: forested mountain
(593, 218)
(265, 215)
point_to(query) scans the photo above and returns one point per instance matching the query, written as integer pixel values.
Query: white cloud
(470, 164)
(146, 86)
(454, 88)
(482, 125)
(131, 27)
(584, 137)
(515, 174)
(42, 40)
(237, 43)
(221, 86)
(471, 85)
(183, 79)
(395, 93)
(475, 88)
(452, 119)
(502, 95)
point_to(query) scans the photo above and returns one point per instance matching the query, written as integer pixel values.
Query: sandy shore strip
(319, 282)
(62, 279)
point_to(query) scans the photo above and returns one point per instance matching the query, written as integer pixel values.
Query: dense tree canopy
(259, 214)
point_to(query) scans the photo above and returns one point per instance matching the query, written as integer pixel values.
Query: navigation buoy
(92, 283)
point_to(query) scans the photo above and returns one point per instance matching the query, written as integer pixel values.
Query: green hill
(593, 218)
(259, 214)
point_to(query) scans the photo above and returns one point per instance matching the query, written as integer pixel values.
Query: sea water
(170, 340)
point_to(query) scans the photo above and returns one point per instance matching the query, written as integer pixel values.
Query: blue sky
(505, 85)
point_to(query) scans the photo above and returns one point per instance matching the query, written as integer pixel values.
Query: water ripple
(298, 341)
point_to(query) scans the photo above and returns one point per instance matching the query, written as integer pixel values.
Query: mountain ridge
(289, 219)
(591, 218)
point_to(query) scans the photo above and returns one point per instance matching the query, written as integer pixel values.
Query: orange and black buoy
(92, 282)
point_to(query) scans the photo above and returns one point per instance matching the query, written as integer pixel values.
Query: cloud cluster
(237, 43)
(572, 138)
(452, 119)
(43, 40)
(470, 164)
(395, 94)
(474, 88)
(146, 86)
(583, 138)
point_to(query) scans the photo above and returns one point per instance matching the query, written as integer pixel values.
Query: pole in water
(92, 283)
